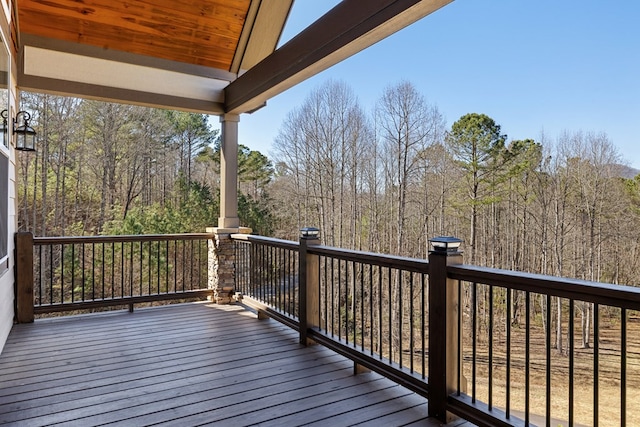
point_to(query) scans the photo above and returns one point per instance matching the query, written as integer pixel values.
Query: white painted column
(229, 172)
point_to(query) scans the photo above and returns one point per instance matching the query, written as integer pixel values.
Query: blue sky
(533, 66)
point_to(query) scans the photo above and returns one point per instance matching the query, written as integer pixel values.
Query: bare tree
(408, 125)
(321, 145)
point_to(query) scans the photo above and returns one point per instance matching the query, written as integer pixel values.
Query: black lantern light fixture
(5, 127)
(25, 135)
(445, 244)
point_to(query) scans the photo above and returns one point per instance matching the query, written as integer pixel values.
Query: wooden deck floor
(184, 365)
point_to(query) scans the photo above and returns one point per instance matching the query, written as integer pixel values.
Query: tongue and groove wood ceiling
(211, 56)
(196, 32)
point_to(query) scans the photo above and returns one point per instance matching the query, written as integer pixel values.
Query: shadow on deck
(187, 364)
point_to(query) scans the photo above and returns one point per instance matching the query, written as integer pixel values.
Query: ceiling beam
(111, 94)
(348, 28)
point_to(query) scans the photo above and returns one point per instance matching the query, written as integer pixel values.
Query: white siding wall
(6, 303)
(7, 277)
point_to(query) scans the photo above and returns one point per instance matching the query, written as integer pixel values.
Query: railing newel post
(24, 277)
(309, 283)
(444, 321)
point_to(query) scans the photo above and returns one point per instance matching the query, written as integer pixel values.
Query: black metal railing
(545, 350)
(373, 309)
(498, 354)
(73, 273)
(267, 275)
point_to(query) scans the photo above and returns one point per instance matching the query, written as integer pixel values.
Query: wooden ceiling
(199, 32)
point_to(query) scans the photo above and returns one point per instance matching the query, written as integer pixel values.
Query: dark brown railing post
(444, 321)
(24, 277)
(309, 283)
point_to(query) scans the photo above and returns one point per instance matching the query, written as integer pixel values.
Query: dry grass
(609, 383)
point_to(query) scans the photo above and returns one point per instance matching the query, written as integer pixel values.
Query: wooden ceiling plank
(203, 8)
(176, 24)
(145, 44)
(348, 28)
(202, 32)
(219, 9)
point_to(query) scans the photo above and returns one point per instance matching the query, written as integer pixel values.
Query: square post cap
(309, 233)
(445, 244)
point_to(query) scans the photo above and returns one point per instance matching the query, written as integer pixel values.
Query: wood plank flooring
(187, 365)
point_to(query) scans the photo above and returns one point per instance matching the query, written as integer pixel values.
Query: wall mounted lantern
(25, 135)
(445, 244)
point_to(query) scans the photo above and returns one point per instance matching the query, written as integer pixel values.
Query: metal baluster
(474, 333)
(83, 273)
(73, 271)
(508, 354)
(596, 364)
(390, 322)
(380, 312)
(166, 265)
(548, 344)
(158, 267)
(334, 292)
(411, 325)
(400, 315)
(326, 295)
(623, 367)
(571, 360)
(371, 309)
(527, 359)
(460, 335)
(122, 269)
(490, 379)
(40, 274)
(113, 269)
(362, 327)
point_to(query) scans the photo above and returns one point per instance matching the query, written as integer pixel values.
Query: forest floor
(609, 365)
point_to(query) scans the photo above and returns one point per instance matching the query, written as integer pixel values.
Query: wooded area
(105, 168)
(390, 181)
(383, 182)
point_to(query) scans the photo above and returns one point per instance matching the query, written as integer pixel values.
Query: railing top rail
(391, 261)
(43, 241)
(269, 241)
(580, 290)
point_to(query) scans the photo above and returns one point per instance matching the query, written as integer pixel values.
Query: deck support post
(309, 284)
(229, 172)
(444, 321)
(222, 273)
(24, 277)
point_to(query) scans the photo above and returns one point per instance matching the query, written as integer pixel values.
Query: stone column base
(222, 265)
